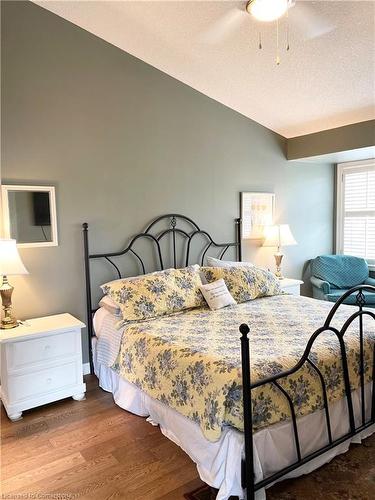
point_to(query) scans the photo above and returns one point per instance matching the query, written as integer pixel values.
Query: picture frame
(257, 211)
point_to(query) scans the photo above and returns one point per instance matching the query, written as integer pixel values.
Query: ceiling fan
(303, 18)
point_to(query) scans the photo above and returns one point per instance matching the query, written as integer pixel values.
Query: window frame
(340, 170)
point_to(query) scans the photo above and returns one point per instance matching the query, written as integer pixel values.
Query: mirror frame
(5, 189)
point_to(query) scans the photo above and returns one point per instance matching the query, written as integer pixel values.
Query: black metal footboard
(248, 473)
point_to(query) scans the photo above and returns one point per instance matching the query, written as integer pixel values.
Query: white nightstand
(41, 362)
(289, 285)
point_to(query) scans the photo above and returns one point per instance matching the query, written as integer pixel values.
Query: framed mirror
(30, 215)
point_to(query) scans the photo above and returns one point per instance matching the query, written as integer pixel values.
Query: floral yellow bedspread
(192, 361)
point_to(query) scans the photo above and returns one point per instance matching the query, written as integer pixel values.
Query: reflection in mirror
(29, 216)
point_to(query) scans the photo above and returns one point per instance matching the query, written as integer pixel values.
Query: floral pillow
(157, 294)
(244, 283)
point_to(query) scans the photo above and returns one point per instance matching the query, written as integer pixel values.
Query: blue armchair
(333, 275)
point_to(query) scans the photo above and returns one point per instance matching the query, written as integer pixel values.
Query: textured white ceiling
(321, 83)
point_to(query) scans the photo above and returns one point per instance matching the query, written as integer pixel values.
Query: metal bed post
(248, 466)
(238, 238)
(360, 302)
(85, 228)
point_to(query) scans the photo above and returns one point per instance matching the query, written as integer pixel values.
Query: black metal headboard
(189, 233)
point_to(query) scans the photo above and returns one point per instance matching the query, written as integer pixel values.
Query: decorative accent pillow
(158, 294)
(212, 262)
(217, 295)
(110, 305)
(245, 283)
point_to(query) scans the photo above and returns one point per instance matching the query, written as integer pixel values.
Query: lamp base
(278, 259)
(8, 321)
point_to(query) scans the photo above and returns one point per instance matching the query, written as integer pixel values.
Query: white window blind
(356, 209)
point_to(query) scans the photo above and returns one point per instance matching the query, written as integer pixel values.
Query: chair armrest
(322, 285)
(370, 281)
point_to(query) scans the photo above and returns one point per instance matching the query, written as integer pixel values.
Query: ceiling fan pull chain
(260, 41)
(287, 30)
(277, 43)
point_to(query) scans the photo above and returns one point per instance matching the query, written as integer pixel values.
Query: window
(356, 209)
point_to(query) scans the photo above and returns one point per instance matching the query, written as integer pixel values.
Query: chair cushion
(341, 271)
(336, 294)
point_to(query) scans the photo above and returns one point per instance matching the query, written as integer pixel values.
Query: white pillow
(212, 262)
(110, 305)
(217, 295)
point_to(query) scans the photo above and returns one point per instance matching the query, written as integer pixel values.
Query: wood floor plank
(85, 436)
(146, 445)
(92, 450)
(139, 430)
(105, 493)
(24, 452)
(122, 456)
(34, 432)
(163, 483)
(34, 461)
(129, 477)
(30, 436)
(140, 479)
(51, 417)
(178, 493)
(42, 473)
(96, 420)
(63, 481)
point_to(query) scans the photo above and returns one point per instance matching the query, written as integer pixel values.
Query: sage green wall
(123, 142)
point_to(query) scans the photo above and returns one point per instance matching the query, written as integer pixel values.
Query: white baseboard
(86, 368)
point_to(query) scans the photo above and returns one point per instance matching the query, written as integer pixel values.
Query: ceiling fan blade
(224, 26)
(308, 22)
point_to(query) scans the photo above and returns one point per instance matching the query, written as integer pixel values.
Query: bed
(311, 396)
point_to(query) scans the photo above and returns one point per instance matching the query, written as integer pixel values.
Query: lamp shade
(279, 236)
(10, 260)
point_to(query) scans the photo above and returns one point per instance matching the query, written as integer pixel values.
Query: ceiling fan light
(267, 10)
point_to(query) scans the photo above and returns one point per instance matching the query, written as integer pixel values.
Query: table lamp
(10, 264)
(278, 236)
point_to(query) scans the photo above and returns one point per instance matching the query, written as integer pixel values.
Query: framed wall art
(257, 212)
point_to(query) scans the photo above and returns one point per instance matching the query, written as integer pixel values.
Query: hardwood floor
(95, 450)
(91, 450)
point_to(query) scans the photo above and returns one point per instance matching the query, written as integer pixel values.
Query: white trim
(86, 368)
(52, 204)
(341, 168)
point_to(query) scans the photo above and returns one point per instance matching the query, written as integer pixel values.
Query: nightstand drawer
(42, 381)
(30, 352)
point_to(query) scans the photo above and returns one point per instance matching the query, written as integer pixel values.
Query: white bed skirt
(219, 463)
